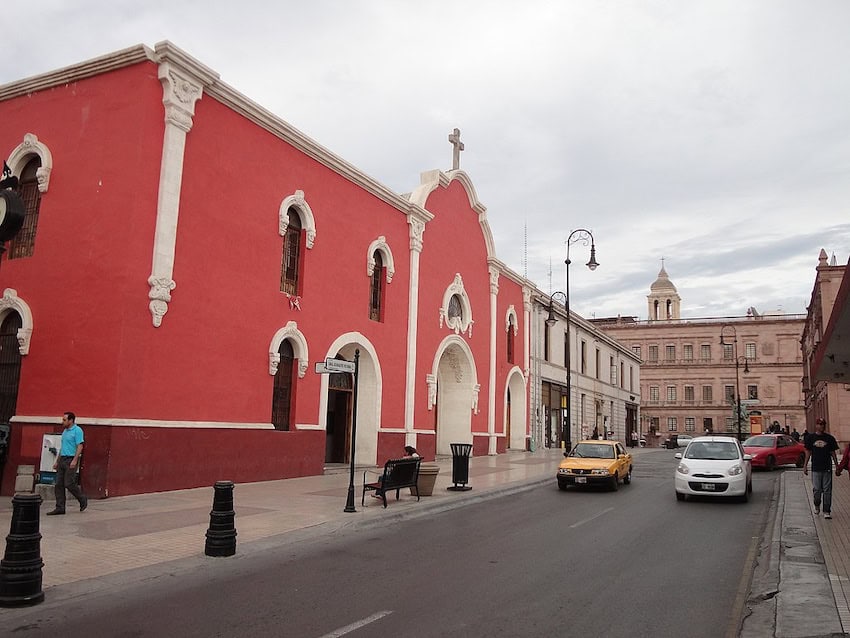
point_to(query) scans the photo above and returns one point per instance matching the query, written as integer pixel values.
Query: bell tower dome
(663, 302)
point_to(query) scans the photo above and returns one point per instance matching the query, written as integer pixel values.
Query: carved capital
(431, 380)
(417, 229)
(179, 94)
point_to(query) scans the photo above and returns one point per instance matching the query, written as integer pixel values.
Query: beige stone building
(825, 347)
(690, 382)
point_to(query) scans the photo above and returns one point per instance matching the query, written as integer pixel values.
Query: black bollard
(20, 569)
(221, 536)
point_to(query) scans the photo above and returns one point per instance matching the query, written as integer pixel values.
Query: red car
(770, 450)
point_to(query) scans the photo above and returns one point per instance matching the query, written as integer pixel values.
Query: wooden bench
(397, 474)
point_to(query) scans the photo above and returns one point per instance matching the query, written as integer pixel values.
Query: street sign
(338, 365)
(320, 368)
(750, 402)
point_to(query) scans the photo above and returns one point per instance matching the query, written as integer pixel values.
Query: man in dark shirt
(821, 447)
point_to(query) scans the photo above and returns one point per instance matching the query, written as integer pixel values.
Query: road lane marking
(356, 625)
(587, 520)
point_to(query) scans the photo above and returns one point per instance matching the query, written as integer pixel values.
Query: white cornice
(68, 74)
(216, 89)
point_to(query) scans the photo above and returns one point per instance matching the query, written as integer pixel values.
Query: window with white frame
(671, 393)
(613, 370)
(689, 394)
(730, 424)
(672, 423)
(728, 351)
(670, 353)
(688, 352)
(707, 394)
(690, 424)
(752, 391)
(705, 352)
(653, 353)
(729, 393)
(654, 394)
(636, 350)
(750, 350)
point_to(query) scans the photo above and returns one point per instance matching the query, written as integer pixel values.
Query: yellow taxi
(595, 462)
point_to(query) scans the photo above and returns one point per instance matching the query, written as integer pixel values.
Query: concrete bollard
(221, 536)
(20, 569)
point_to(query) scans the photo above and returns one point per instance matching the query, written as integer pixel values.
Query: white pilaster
(491, 393)
(417, 229)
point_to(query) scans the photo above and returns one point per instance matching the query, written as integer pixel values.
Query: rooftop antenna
(525, 249)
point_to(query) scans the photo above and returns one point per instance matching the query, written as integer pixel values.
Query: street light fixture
(725, 331)
(584, 236)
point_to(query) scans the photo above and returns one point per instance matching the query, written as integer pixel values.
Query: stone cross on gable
(454, 138)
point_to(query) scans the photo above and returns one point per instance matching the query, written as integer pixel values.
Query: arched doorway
(10, 375)
(340, 401)
(456, 387)
(515, 402)
(337, 402)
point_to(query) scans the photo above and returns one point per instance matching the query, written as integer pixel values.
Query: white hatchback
(714, 466)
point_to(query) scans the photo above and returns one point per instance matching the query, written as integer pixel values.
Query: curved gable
(430, 181)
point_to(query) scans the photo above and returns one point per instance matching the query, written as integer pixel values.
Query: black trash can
(460, 466)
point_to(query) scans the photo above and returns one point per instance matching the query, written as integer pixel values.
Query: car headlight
(683, 469)
(563, 470)
(735, 470)
(600, 471)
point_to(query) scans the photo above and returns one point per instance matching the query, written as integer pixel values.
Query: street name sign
(338, 365)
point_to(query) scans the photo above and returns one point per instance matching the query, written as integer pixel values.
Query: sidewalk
(124, 533)
(800, 586)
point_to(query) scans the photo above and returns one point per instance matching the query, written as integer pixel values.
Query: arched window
(282, 395)
(376, 289)
(510, 345)
(455, 311)
(24, 243)
(10, 365)
(291, 264)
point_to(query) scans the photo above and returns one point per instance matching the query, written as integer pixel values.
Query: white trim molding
(511, 314)
(380, 245)
(464, 323)
(10, 302)
(308, 221)
(299, 348)
(22, 154)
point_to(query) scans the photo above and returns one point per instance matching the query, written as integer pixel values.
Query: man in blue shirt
(67, 463)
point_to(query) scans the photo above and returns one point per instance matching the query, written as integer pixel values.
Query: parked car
(677, 440)
(770, 450)
(714, 466)
(595, 462)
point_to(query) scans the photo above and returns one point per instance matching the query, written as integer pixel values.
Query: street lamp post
(725, 331)
(584, 236)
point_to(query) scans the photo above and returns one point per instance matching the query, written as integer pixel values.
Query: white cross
(454, 138)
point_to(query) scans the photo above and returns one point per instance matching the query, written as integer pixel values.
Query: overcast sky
(713, 133)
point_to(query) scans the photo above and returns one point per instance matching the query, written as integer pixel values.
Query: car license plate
(581, 479)
(708, 487)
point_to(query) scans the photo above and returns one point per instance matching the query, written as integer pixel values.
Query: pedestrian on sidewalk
(845, 461)
(821, 447)
(67, 463)
(409, 453)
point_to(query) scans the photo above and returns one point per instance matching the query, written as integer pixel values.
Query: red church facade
(188, 258)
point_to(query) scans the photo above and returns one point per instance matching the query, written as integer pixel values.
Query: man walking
(821, 447)
(67, 463)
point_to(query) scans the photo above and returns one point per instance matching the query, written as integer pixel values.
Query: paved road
(629, 563)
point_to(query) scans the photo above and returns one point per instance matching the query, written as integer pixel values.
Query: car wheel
(562, 486)
(628, 477)
(770, 463)
(615, 482)
(745, 496)
(680, 496)
(750, 487)
(801, 460)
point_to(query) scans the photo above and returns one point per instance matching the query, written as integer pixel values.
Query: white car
(714, 466)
